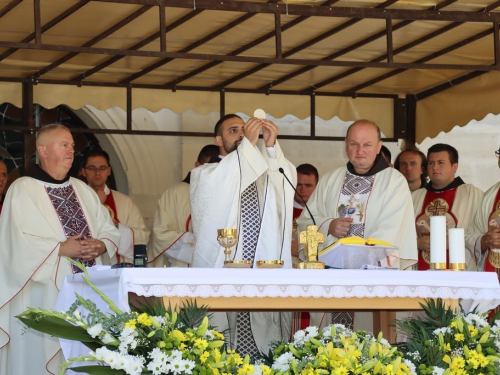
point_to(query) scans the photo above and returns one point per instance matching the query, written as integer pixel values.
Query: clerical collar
(378, 166)
(187, 180)
(456, 183)
(36, 172)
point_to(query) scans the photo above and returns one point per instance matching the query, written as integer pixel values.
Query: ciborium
(227, 238)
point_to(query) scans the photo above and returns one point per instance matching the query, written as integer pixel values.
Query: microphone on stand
(300, 196)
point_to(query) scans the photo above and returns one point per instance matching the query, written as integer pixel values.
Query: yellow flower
(204, 356)
(217, 335)
(473, 362)
(201, 343)
(483, 361)
(246, 369)
(176, 334)
(447, 347)
(144, 320)
(454, 324)
(341, 370)
(389, 370)
(459, 337)
(131, 323)
(182, 346)
(457, 363)
(266, 370)
(473, 331)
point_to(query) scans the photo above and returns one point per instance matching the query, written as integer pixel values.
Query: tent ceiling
(370, 47)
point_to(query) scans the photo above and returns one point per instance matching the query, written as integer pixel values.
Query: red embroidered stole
(435, 204)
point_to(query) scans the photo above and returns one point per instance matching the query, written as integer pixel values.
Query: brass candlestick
(311, 238)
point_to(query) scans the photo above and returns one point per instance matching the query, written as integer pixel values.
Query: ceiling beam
(135, 47)
(319, 11)
(6, 9)
(246, 59)
(245, 47)
(300, 47)
(94, 40)
(47, 26)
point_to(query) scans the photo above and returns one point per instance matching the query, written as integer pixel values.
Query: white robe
(215, 204)
(172, 240)
(479, 226)
(465, 204)
(132, 228)
(31, 271)
(388, 217)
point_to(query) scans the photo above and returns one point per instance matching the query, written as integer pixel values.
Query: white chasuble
(172, 240)
(486, 212)
(31, 270)
(388, 211)
(216, 204)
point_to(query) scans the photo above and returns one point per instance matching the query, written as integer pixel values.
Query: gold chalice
(228, 238)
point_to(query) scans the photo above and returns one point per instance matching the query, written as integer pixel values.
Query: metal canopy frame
(395, 19)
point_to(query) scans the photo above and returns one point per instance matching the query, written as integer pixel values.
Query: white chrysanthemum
(176, 354)
(256, 370)
(312, 331)
(384, 342)
(411, 366)
(442, 330)
(299, 337)
(209, 335)
(476, 320)
(282, 363)
(437, 371)
(95, 330)
(175, 366)
(161, 320)
(188, 366)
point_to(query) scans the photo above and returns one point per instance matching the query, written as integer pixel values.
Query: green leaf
(56, 327)
(98, 370)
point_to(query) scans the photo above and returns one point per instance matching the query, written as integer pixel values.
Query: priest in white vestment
(483, 234)
(47, 216)
(366, 198)
(172, 239)
(126, 215)
(246, 191)
(444, 195)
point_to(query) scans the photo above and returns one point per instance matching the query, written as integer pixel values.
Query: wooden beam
(6, 9)
(37, 21)
(163, 27)
(277, 31)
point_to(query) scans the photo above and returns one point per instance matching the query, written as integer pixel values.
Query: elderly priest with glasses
(47, 216)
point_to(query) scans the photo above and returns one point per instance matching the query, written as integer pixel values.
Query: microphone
(300, 196)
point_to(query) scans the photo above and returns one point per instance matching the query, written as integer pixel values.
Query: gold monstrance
(311, 238)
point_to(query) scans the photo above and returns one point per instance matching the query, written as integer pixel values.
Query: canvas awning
(350, 58)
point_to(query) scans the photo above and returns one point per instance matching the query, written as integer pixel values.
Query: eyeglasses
(92, 168)
(497, 152)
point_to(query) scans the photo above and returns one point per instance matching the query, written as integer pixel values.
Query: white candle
(438, 239)
(457, 245)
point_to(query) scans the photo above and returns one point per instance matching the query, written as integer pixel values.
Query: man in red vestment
(444, 195)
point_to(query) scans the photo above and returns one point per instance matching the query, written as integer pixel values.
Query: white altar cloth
(479, 289)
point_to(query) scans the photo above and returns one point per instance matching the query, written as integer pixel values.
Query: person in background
(386, 155)
(444, 195)
(96, 169)
(172, 239)
(412, 163)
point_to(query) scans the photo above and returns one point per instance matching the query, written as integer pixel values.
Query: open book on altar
(360, 256)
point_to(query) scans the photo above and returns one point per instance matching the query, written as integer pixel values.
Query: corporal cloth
(172, 240)
(216, 203)
(460, 210)
(487, 210)
(31, 271)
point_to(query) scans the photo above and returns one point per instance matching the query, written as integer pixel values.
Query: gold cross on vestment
(437, 207)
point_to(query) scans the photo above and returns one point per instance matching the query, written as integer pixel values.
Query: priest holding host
(444, 195)
(245, 191)
(126, 216)
(47, 216)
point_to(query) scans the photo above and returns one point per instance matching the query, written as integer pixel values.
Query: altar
(380, 291)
